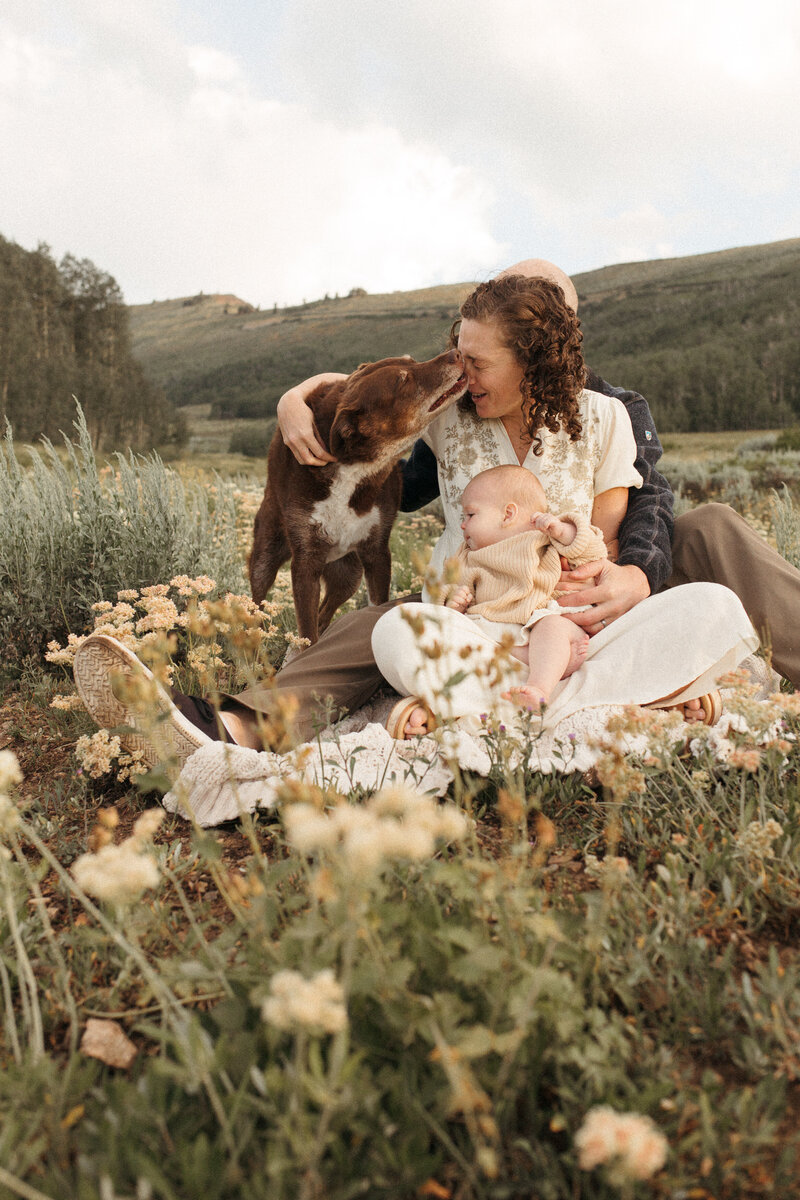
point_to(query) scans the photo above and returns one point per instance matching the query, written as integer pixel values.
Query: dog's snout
(453, 356)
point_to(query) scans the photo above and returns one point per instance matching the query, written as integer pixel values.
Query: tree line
(64, 335)
(712, 354)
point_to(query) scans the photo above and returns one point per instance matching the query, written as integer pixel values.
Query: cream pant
(670, 648)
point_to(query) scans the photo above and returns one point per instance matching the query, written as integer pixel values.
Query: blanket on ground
(222, 782)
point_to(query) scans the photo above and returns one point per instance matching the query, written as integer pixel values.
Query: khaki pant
(711, 544)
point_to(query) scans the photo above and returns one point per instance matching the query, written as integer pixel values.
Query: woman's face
(494, 373)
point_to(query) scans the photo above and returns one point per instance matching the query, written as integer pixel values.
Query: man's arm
(420, 478)
(646, 531)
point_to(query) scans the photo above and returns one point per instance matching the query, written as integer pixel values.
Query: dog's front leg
(306, 591)
(376, 560)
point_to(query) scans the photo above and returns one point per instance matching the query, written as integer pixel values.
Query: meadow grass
(547, 986)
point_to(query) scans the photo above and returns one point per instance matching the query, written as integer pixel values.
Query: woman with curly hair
(526, 405)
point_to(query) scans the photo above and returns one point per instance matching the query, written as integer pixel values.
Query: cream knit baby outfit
(516, 576)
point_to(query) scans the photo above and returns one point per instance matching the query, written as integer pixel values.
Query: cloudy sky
(282, 149)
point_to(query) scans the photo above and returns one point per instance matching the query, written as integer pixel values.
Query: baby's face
(481, 518)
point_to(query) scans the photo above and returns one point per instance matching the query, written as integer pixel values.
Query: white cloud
(393, 145)
(170, 172)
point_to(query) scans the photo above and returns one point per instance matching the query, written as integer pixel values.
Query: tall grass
(73, 532)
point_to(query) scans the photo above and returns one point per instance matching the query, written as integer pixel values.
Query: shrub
(788, 439)
(253, 438)
(72, 534)
(786, 522)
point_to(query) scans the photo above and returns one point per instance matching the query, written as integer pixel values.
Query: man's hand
(296, 422)
(612, 590)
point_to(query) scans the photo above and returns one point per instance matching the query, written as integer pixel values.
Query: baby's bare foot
(526, 696)
(577, 653)
(417, 723)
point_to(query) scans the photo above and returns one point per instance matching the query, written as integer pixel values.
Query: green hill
(710, 339)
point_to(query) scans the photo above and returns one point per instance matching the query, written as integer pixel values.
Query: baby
(509, 567)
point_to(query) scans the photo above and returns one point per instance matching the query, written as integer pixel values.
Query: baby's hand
(559, 531)
(460, 598)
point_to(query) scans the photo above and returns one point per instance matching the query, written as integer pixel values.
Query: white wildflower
(397, 823)
(9, 815)
(756, 841)
(628, 1143)
(309, 830)
(161, 614)
(610, 870)
(118, 874)
(67, 703)
(10, 772)
(203, 584)
(148, 822)
(131, 765)
(96, 754)
(63, 655)
(317, 1004)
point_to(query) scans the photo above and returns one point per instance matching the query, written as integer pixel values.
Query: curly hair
(544, 333)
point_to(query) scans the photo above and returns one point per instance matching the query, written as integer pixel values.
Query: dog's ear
(345, 440)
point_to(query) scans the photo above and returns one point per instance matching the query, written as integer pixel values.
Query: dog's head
(384, 406)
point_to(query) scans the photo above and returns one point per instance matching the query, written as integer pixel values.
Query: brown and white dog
(334, 521)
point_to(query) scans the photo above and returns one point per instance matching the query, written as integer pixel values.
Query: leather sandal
(398, 718)
(712, 707)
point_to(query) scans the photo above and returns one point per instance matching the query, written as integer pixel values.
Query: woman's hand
(296, 421)
(610, 588)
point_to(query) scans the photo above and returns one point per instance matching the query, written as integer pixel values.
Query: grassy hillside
(710, 339)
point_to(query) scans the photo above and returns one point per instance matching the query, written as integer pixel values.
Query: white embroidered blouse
(571, 473)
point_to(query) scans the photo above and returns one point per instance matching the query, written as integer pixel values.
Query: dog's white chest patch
(338, 524)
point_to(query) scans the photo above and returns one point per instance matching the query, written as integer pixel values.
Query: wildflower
(611, 870)
(128, 594)
(10, 772)
(182, 585)
(63, 655)
(146, 825)
(96, 754)
(627, 1142)
(203, 584)
(316, 1004)
(160, 614)
(755, 842)
(617, 773)
(9, 815)
(397, 823)
(130, 765)
(118, 874)
(296, 642)
(67, 703)
(748, 758)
